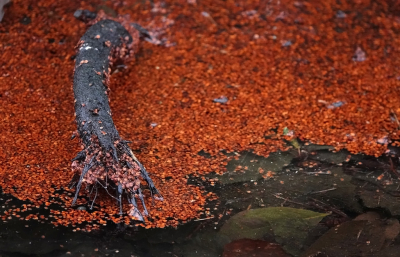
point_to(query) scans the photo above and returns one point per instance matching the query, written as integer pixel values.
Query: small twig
(392, 168)
(208, 16)
(219, 219)
(204, 219)
(94, 199)
(359, 233)
(319, 173)
(395, 118)
(194, 231)
(322, 191)
(287, 200)
(330, 208)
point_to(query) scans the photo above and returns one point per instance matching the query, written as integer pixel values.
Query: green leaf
(285, 131)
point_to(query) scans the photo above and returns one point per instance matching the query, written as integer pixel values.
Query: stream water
(340, 191)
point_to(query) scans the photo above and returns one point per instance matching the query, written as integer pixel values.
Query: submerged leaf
(254, 248)
(287, 226)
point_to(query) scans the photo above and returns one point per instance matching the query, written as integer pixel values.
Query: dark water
(314, 178)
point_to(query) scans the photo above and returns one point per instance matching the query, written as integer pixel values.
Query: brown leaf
(255, 248)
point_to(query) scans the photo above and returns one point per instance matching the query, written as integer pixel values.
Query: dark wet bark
(106, 160)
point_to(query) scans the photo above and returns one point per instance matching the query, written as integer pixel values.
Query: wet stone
(374, 199)
(354, 238)
(287, 226)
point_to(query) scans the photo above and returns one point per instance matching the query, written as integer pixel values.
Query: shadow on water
(339, 186)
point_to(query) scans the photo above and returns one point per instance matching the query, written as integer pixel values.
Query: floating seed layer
(327, 71)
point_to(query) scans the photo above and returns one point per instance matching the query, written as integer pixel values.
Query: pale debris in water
(2, 4)
(359, 55)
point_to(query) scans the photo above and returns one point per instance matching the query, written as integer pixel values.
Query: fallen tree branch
(106, 161)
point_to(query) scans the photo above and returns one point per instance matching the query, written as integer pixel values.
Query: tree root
(106, 160)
